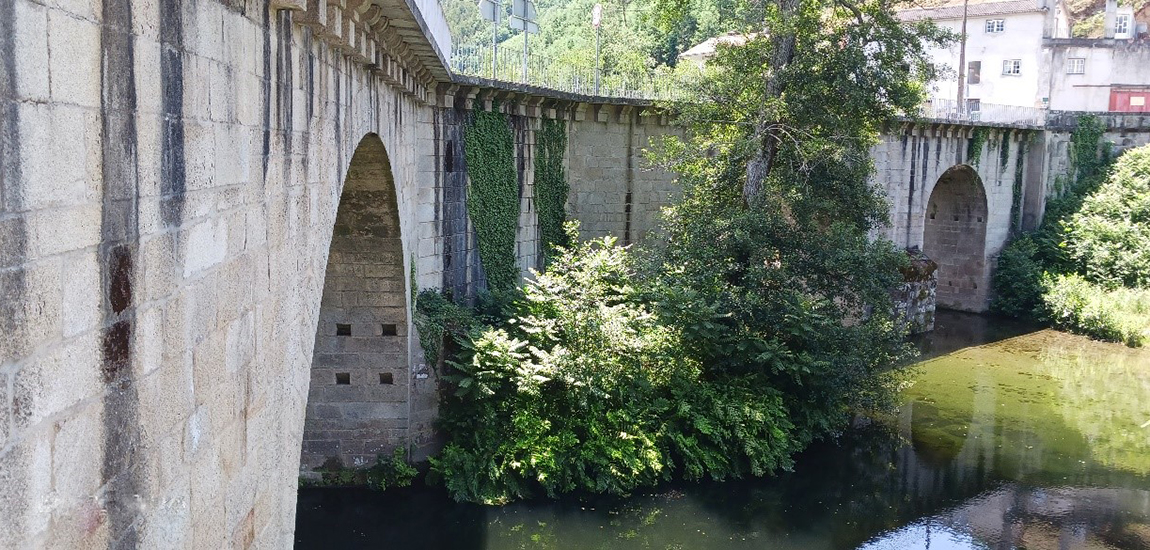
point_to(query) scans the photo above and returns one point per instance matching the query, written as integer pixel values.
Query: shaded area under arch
(358, 396)
(954, 236)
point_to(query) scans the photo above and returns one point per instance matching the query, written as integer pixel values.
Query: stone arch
(955, 237)
(358, 397)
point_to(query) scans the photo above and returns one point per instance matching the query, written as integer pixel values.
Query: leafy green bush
(1075, 304)
(1091, 159)
(551, 187)
(585, 388)
(439, 320)
(1018, 280)
(1109, 236)
(392, 471)
(1094, 238)
(388, 471)
(763, 295)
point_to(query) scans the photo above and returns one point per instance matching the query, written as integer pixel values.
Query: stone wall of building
(357, 405)
(171, 287)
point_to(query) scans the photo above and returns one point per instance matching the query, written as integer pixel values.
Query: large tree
(770, 266)
(813, 84)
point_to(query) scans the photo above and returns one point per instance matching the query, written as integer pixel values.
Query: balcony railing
(947, 109)
(505, 64)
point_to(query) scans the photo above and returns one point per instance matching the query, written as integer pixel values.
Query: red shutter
(1130, 101)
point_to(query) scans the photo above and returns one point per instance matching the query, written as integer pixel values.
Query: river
(1009, 437)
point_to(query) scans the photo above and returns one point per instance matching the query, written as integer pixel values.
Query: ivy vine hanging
(493, 194)
(551, 185)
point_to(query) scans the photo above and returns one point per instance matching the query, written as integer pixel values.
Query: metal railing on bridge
(947, 109)
(505, 64)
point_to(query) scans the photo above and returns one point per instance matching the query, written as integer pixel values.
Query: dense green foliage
(438, 320)
(493, 194)
(1109, 236)
(976, 144)
(631, 40)
(392, 471)
(1017, 280)
(1073, 303)
(551, 186)
(757, 326)
(1083, 268)
(588, 388)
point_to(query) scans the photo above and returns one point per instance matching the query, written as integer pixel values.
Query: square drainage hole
(386, 378)
(342, 329)
(389, 330)
(343, 378)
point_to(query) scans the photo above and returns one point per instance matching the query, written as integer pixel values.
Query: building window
(1122, 25)
(995, 25)
(1012, 66)
(1076, 65)
(973, 105)
(974, 72)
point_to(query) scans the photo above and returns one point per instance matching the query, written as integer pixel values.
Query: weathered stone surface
(194, 194)
(915, 299)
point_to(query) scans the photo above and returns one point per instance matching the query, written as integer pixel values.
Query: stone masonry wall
(171, 173)
(911, 160)
(1123, 131)
(614, 190)
(955, 238)
(914, 304)
(358, 395)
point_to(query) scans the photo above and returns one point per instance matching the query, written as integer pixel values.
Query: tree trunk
(766, 129)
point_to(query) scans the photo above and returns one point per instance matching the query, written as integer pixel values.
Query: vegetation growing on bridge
(551, 186)
(1087, 268)
(493, 194)
(758, 327)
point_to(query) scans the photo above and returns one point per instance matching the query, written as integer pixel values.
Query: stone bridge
(212, 218)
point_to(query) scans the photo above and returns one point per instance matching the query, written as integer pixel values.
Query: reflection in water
(1032, 441)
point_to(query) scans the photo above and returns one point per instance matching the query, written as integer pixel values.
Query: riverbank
(1008, 434)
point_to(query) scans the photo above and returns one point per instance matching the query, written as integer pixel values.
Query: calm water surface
(1009, 438)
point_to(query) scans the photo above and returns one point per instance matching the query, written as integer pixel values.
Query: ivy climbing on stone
(493, 194)
(974, 148)
(551, 185)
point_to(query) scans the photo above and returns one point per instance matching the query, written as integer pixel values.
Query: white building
(1020, 61)
(1107, 74)
(1003, 61)
(701, 52)
(1019, 54)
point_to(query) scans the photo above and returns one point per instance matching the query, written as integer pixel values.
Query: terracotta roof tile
(954, 10)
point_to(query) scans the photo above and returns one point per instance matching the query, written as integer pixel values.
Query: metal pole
(963, 70)
(495, 39)
(597, 60)
(525, 33)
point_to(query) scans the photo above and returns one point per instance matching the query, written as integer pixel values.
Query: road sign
(524, 9)
(517, 24)
(487, 9)
(596, 15)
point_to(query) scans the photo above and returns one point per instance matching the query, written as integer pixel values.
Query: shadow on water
(955, 330)
(1032, 440)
